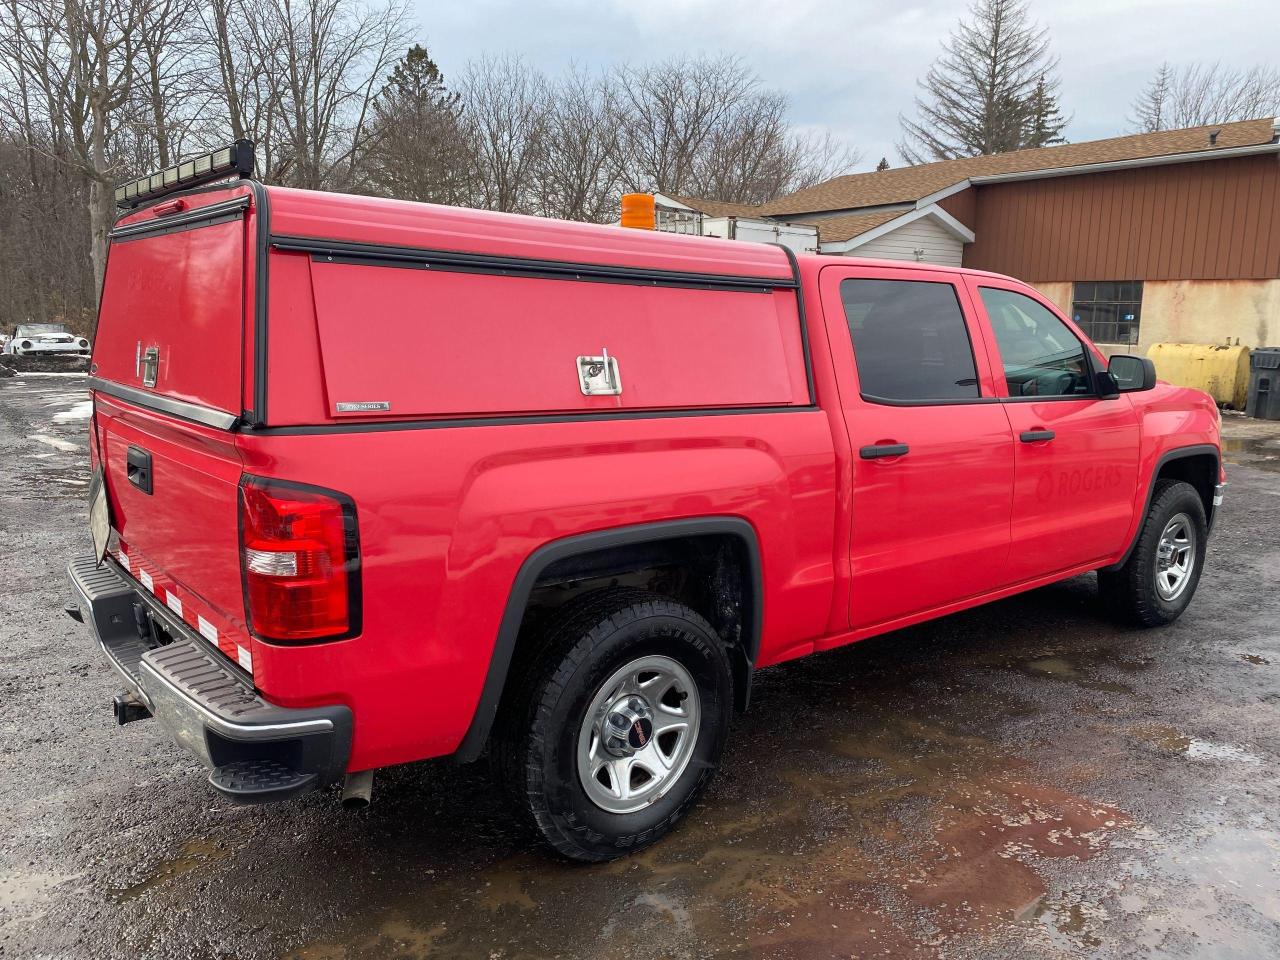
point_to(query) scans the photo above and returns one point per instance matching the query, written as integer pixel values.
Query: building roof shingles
(847, 226)
(908, 184)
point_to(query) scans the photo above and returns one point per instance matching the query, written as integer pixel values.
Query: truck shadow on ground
(877, 797)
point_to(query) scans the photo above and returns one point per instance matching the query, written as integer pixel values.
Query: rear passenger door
(1076, 454)
(932, 464)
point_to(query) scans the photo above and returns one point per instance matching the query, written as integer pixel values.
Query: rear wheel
(1158, 580)
(622, 726)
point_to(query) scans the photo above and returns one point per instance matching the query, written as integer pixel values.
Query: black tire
(536, 747)
(1129, 591)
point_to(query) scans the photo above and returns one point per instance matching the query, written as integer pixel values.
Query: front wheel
(1158, 580)
(622, 726)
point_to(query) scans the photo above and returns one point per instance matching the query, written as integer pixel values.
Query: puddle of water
(1208, 750)
(1063, 668)
(1261, 452)
(892, 836)
(1171, 740)
(1217, 886)
(193, 855)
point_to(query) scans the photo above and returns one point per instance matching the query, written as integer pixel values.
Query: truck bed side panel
(448, 514)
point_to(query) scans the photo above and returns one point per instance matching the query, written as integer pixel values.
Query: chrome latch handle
(599, 376)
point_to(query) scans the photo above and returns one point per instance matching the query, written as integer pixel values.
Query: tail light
(300, 561)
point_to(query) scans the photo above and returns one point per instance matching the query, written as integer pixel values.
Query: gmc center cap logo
(640, 732)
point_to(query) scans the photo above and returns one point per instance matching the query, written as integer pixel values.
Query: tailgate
(167, 378)
(174, 494)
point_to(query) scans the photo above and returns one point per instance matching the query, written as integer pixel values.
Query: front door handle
(1032, 436)
(878, 450)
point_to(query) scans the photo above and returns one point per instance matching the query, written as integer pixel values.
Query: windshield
(40, 329)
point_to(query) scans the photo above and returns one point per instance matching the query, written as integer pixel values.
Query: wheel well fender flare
(1178, 453)
(537, 562)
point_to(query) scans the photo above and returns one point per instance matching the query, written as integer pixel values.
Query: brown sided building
(1169, 236)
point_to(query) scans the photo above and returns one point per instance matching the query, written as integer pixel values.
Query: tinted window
(1042, 357)
(909, 340)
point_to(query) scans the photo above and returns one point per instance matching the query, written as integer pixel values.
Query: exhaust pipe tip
(357, 790)
(126, 708)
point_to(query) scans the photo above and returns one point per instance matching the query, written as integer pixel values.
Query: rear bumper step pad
(257, 751)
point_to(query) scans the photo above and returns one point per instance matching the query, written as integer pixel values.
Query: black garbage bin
(1264, 384)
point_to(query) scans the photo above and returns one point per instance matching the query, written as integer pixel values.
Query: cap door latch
(598, 376)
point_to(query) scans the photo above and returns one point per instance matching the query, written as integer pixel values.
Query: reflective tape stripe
(188, 611)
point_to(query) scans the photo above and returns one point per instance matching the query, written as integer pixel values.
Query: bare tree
(74, 67)
(505, 118)
(169, 95)
(247, 94)
(580, 167)
(1199, 94)
(673, 108)
(44, 271)
(993, 89)
(706, 127)
(332, 58)
(299, 78)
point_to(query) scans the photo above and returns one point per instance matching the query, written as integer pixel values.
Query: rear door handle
(138, 468)
(878, 450)
(1031, 436)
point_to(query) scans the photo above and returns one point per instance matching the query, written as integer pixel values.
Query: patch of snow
(81, 411)
(66, 446)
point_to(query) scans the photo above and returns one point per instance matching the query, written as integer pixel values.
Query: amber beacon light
(638, 211)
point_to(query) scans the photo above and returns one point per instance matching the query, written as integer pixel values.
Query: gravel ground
(1022, 780)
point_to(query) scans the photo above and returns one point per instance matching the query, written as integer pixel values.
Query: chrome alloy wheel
(1175, 557)
(638, 734)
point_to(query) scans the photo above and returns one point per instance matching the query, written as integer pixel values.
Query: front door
(932, 453)
(1075, 454)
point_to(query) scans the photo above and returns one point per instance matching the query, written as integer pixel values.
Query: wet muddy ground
(1022, 780)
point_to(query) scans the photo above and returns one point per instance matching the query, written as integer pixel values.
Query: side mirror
(1131, 373)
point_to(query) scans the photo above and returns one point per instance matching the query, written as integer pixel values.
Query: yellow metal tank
(1220, 371)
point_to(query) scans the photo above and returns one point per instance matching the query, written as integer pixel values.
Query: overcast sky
(850, 66)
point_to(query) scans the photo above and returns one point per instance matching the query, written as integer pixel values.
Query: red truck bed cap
(401, 223)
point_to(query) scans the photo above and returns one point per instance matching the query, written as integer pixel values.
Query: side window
(909, 340)
(1041, 356)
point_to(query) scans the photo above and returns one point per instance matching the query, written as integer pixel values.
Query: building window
(1108, 311)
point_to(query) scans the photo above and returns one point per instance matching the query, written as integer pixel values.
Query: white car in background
(44, 339)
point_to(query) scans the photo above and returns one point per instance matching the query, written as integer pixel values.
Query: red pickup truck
(378, 481)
